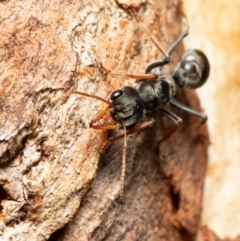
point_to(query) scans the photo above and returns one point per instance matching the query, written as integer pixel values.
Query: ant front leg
(137, 128)
(126, 133)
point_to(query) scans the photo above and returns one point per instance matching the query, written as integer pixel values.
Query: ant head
(128, 107)
(193, 69)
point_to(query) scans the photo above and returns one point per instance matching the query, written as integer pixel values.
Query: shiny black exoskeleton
(129, 107)
(143, 98)
(192, 70)
(146, 96)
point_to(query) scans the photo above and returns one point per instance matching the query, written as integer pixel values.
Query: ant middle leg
(188, 110)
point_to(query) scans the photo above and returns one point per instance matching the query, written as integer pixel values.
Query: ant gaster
(130, 105)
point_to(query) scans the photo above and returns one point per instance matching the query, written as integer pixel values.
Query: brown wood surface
(54, 185)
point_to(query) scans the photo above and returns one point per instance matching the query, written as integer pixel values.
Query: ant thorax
(155, 93)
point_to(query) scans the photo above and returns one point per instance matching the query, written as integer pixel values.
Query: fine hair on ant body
(130, 106)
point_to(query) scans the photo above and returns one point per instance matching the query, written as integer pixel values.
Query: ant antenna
(123, 161)
(155, 42)
(94, 96)
(101, 113)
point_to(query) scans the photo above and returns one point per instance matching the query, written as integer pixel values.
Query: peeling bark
(51, 171)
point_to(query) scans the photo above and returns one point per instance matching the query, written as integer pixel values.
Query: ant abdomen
(192, 70)
(128, 107)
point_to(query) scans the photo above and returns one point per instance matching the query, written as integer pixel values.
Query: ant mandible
(130, 105)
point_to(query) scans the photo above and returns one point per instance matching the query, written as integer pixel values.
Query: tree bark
(52, 173)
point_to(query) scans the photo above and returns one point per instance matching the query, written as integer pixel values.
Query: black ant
(130, 105)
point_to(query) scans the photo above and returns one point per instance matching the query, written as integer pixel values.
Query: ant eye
(116, 94)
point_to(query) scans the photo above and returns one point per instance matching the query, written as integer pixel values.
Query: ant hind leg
(188, 110)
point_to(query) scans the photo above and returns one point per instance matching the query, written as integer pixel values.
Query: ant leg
(154, 41)
(168, 135)
(188, 110)
(135, 129)
(173, 46)
(136, 76)
(123, 161)
(126, 133)
(105, 127)
(131, 75)
(156, 64)
(177, 120)
(144, 76)
(180, 38)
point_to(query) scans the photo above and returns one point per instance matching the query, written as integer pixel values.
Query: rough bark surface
(51, 172)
